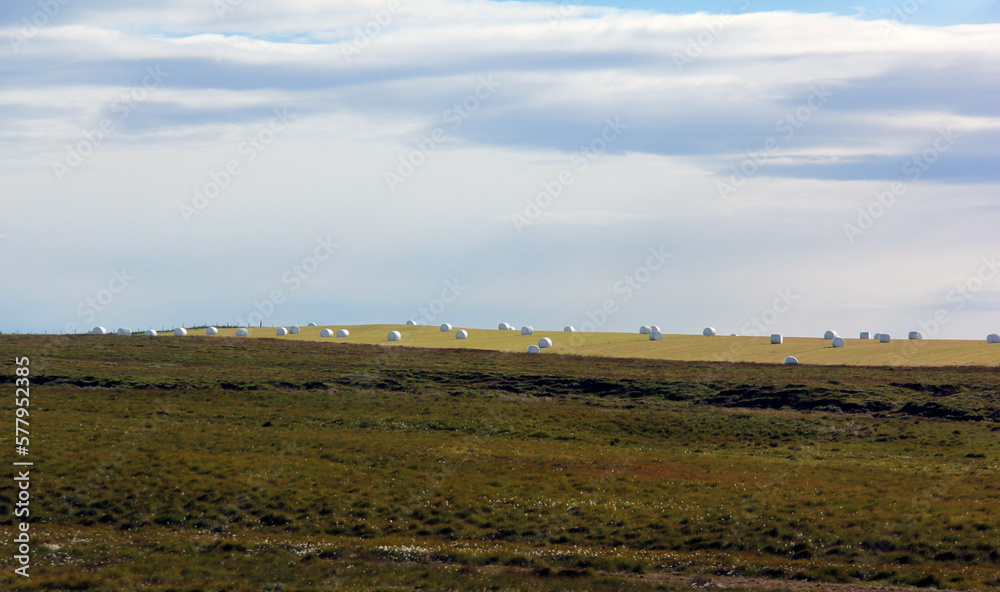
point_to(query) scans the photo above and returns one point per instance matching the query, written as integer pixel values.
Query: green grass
(225, 464)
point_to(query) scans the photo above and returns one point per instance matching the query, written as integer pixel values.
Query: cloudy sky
(182, 162)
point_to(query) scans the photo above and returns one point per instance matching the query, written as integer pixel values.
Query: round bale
(294, 330)
(211, 331)
(777, 339)
(395, 336)
(644, 330)
(993, 338)
(534, 349)
(125, 332)
(446, 328)
(655, 336)
(98, 331)
(708, 332)
(326, 333)
(915, 335)
(526, 330)
(838, 342)
(242, 332)
(281, 332)
(180, 332)
(343, 333)
(544, 343)
(462, 334)
(791, 360)
(150, 333)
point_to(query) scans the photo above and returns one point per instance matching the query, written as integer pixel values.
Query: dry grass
(901, 352)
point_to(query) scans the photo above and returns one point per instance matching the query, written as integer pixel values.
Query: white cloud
(558, 84)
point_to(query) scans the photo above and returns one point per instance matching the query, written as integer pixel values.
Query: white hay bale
(644, 330)
(884, 338)
(865, 335)
(791, 360)
(395, 336)
(211, 331)
(877, 336)
(463, 334)
(534, 349)
(526, 330)
(281, 332)
(654, 328)
(125, 332)
(180, 332)
(242, 332)
(150, 333)
(98, 331)
(503, 327)
(777, 339)
(915, 335)
(326, 333)
(708, 332)
(838, 342)
(829, 335)
(294, 330)
(544, 343)
(569, 329)
(311, 325)
(446, 328)
(655, 336)
(411, 323)
(993, 338)
(734, 334)
(343, 333)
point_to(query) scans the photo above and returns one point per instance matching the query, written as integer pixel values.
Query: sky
(739, 164)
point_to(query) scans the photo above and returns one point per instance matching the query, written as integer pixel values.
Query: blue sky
(927, 12)
(472, 162)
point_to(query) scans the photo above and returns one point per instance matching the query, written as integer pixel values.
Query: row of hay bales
(652, 331)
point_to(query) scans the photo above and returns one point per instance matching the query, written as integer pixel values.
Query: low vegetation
(260, 464)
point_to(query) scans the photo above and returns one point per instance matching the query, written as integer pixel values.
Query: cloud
(809, 114)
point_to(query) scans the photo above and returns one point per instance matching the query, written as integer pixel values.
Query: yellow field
(900, 352)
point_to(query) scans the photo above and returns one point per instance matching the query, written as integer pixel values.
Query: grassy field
(289, 464)
(901, 352)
